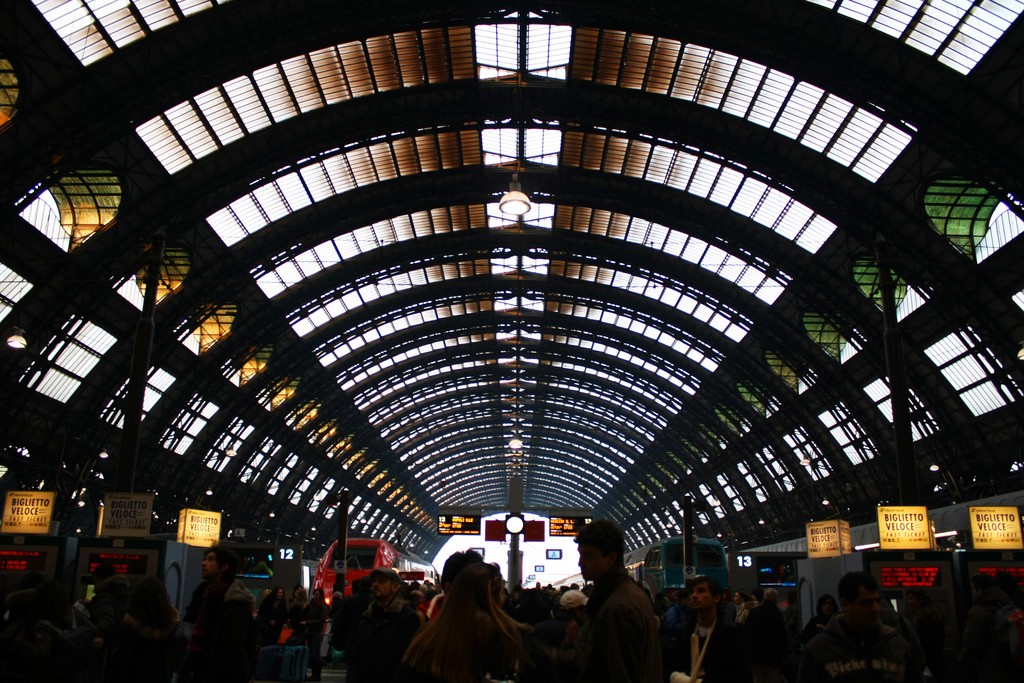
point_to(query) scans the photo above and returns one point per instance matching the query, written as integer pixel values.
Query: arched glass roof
(690, 308)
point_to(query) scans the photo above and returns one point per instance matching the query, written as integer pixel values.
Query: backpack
(1009, 629)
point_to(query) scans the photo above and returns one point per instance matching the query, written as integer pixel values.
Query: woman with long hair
(272, 614)
(824, 610)
(150, 648)
(471, 638)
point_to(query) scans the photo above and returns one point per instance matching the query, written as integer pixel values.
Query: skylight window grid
(696, 351)
(357, 167)
(188, 424)
(157, 384)
(730, 323)
(851, 437)
(703, 177)
(424, 375)
(339, 348)
(12, 288)
(42, 214)
(307, 320)
(70, 356)
(922, 423)
(619, 349)
(303, 83)
(599, 393)
(750, 276)
(735, 86)
(968, 29)
(92, 29)
(633, 382)
(630, 384)
(229, 441)
(968, 366)
(496, 47)
(548, 49)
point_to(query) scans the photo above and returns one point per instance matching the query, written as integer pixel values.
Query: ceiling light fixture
(16, 338)
(515, 202)
(515, 443)
(1020, 351)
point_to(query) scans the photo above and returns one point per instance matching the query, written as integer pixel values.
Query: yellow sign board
(828, 538)
(904, 527)
(996, 528)
(198, 527)
(125, 514)
(28, 512)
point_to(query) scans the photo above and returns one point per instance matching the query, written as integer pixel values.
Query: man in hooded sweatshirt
(856, 647)
(221, 638)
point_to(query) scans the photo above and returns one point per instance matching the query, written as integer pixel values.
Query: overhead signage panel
(904, 527)
(458, 525)
(828, 538)
(996, 528)
(566, 526)
(28, 512)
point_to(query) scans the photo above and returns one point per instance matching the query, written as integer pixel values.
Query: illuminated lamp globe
(515, 443)
(514, 524)
(514, 202)
(16, 339)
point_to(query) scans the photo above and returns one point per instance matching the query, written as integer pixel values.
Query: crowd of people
(470, 629)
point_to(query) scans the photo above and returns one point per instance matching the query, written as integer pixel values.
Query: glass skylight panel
(93, 29)
(315, 317)
(548, 48)
(42, 214)
(497, 49)
(746, 89)
(969, 368)
(277, 92)
(12, 288)
(1003, 227)
(748, 275)
(1018, 299)
(971, 28)
(72, 354)
(501, 145)
(851, 437)
(707, 178)
(327, 177)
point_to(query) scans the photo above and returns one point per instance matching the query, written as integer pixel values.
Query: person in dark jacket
(623, 646)
(272, 615)
(313, 619)
(930, 626)
(219, 648)
(346, 619)
(767, 638)
(824, 611)
(856, 647)
(982, 653)
(384, 632)
(150, 647)
(710, 647)
(108, 605)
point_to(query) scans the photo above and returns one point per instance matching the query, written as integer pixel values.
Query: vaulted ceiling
(691, 307)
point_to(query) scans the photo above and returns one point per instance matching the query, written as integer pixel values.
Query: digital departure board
(914, 576)
(566, 526)
(458, 525)
(1016, 571)
(135, 564)
(22, 560)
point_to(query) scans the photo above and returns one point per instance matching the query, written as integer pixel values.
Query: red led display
(916, 576)
(123, 563)
(22, 560)
(1016, 572)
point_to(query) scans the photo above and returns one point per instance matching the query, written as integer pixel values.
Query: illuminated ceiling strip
(94, 29)
(817, 119)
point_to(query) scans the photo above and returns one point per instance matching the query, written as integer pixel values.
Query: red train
(363, 556)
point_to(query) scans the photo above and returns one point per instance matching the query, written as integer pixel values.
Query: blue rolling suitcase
(268, 666)
(294, 663)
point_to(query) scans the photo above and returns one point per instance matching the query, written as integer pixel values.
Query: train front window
(361, 558)
(710, 556)
(674, 555)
